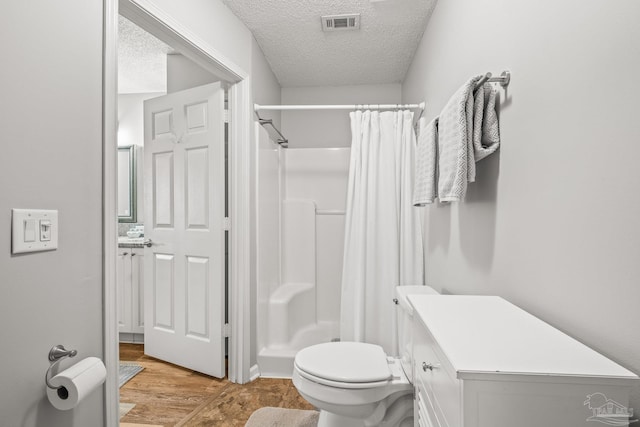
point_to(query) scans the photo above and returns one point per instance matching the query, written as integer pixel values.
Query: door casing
(144, 14)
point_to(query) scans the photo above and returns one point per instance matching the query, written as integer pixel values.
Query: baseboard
(254, 373)
(131, 338)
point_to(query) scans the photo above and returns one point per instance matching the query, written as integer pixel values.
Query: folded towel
(455, 145)
(486, 132)
(424, 187)
(467, 132)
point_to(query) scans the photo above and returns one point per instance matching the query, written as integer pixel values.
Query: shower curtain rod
(284, 142)
(258, 107)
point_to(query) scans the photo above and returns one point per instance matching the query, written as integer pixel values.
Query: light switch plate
(28, 234)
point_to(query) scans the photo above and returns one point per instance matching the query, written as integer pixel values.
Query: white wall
(213, 23)
(183, 73)
(552, 222)
(131, 118)
(321, 129)
(266, 89)
(131, 132)
(51, 121)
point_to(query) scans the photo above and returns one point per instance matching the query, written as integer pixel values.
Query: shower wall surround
(301, 203)
(320, 175)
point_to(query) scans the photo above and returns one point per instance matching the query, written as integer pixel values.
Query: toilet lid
(348, 362)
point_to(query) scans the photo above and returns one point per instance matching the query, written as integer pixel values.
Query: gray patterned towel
(425, 179)
(486, 132)
(467, 132)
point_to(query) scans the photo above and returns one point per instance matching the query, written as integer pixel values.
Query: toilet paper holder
(57, 354)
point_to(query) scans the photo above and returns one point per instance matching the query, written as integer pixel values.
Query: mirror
(126, 184)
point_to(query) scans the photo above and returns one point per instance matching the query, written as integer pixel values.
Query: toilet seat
(339, 384)
(351, 365)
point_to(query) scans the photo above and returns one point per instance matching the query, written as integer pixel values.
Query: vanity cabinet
(480, 361)
(130, 282)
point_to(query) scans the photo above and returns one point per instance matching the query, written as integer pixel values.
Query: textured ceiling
(142, 60)
(301, 54)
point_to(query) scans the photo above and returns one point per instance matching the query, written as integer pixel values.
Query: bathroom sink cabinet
(130, 282)
(483, 362)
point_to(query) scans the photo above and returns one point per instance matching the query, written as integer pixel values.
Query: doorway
(170, 276)
(169, 32)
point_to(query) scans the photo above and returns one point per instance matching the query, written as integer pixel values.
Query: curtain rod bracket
(282, 140)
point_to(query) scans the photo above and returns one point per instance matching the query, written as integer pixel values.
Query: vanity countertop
(128, 242)
(490, 335)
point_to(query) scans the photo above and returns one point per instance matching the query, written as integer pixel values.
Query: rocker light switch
(29, 230)
(34, 230)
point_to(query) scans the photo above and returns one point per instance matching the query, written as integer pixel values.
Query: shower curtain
(383, 237)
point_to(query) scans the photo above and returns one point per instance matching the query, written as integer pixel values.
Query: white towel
(466, 133)
(425, 182)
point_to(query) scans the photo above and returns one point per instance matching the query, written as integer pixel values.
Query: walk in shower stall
(301, 196)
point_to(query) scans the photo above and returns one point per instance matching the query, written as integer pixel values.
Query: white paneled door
(184, 182)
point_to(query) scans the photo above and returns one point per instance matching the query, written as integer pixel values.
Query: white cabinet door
(123, 291)
(137, 291)
(130, 288)
(184, 216)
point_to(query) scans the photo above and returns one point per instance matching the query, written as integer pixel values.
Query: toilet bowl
(356, 384)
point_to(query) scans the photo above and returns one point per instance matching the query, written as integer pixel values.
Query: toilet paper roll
(77, 382)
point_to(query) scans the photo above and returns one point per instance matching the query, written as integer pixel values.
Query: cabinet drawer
(441, 385)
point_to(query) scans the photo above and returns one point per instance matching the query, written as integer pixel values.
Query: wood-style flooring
(170, 396)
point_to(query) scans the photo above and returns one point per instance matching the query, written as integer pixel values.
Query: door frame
(158, 23)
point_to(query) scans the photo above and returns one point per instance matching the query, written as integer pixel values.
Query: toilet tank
(404, 314)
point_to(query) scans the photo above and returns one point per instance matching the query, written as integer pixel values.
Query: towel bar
(504, 79)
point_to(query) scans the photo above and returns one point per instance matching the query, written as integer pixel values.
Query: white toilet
(357, 384)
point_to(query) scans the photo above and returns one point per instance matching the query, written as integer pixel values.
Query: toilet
(356, 384)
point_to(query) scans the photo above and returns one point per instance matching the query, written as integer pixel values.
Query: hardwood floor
(170, 396)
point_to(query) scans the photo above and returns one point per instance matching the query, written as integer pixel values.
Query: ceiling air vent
(341, 22)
